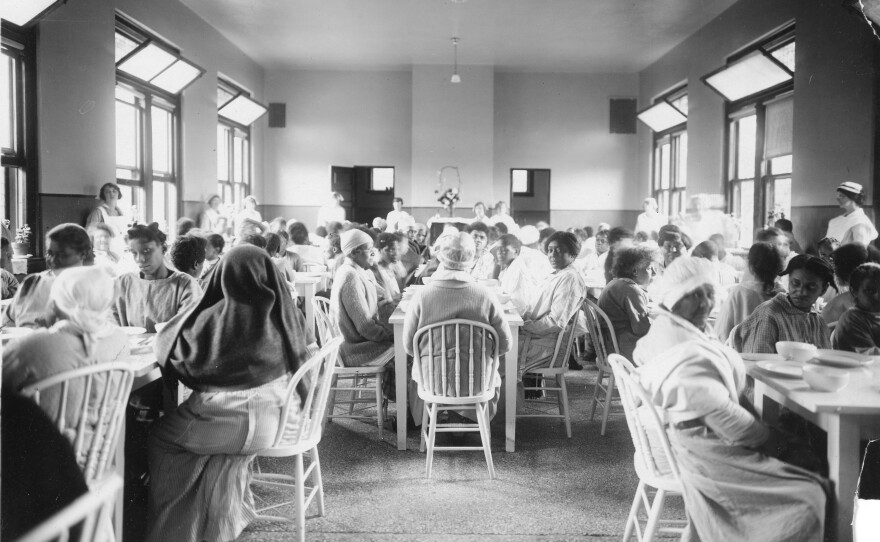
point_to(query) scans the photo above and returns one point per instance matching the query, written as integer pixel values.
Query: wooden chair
(656, 466)
(554, 373)
(364, 383)
(448, 382)
(602, 334)
(87, 513)
(301, 439)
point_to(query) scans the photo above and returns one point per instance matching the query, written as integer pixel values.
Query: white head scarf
(455, 251)
(85, 295)
(684, 275)
(353, 238)
(529, 235)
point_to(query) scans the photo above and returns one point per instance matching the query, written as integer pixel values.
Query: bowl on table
(825, 378)
(795, 351)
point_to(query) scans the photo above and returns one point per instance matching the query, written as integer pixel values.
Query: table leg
(759, 388)
(400, 377)
(843, 470)
(510, 369)
(120, 470)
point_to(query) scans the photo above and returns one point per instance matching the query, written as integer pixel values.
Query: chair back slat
(601, 333)
(564, 341)
(479, 341)
(317, 374)
(96, 430)
(645, 423)
(327, 328)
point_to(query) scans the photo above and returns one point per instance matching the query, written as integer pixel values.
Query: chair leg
(299, 498)
(609, 390)
(563, 402)
(654, 515)
(331, 401)
(596, 393)
(632, 520)
(432, 433)
(486, 437)
(319, 481)
(381, 419)
(423, 430)
(355, 395)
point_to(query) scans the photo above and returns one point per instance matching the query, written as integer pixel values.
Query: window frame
(373, 169)
(237, 190)
(673, 136)
(530, 183)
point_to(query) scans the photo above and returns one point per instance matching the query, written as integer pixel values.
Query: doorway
(368, 191)
(530, 195)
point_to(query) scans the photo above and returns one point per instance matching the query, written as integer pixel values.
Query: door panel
(532, 207)
(369, 204)
(342, 181)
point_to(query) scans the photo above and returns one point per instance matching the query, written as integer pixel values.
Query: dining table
(402, 374)
(848, 416)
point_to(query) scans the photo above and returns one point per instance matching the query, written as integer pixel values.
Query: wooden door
(370, 202)
(530, 195)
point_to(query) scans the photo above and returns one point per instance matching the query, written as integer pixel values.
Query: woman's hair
(502, 228)
(147, 233)
(254, 239)
(299, 233)
(769, 234)
(478, 226)
(814, 265)
(83, 296)
(216, 240)
(249, 198)
(859, 199)
(398, 199)
(567, 241)
(212, 198)
(846, 259)
(618, 233)
(510, 240)
(334, 227)
(545, 233)
(100, 226)
(334, 241)
(867, 272)
(706, 249)
(478, 204)
(71, 236)
(188, 251)
(830, 242)
(273, 244)
(765, 262)
(321, 231)
(589, 230)
(110, 185)
(184, 225)
(628, 260)
(387, 239)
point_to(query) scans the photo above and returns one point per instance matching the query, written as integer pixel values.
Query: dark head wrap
(245, 331)
(814, 265)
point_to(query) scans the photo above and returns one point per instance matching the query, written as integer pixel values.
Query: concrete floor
(551, 488)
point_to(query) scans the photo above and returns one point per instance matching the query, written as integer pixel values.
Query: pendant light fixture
(455, 77)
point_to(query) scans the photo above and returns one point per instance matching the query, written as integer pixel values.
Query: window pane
(665, 165)
(745, 147)
(681, 103)
(744, 209)
(7, 105)
(222, 153)
(680, 202)
(246, 161)
(785, 54)
(227, 194)
(127, 135)
(237, 159)
(781, 165)
(519, 181)
(171, 204)
(663, 197)
(382, 179)
(124, 45)
(682, 160)
(781, 197)
(223, 96)
(162, 141)
(158, 209)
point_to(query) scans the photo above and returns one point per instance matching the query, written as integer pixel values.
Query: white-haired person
(792, 315)
(83, 334)
(651, 220)
(853, 226)
(453, 293)
(354, 302)
(733, 491)
(557, 299)
(67, 246)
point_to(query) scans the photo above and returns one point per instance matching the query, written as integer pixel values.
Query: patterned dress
(779, 320)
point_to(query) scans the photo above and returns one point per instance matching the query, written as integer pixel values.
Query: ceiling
(568, 36)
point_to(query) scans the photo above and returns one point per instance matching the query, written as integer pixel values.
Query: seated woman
(758, 285)
(83, 335)
(8, 282)
(102, 235)
(188, 254)
(236, 348)
(389, 272)
(512, 274)
(275, 246)
(844, 260)
(333, 256)
(68, 245)
(625, 300)
(302, 245)
(733, 492)
(789, 316)
(354, 304)
(557, 300)
(859, 328)
(453, 293)
(483, 263)
(155, 294)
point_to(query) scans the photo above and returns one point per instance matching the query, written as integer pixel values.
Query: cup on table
(796, 351)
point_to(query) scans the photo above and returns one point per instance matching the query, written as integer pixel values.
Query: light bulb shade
(21, 12)
(455, 78)
(242, 110)
(662, 116)
(749, 75)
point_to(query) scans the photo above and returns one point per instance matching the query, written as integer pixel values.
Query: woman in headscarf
(354, 303)
(83, 335)
(453, 293)
(733, 492)
(154, 294)
(853, 226)
(758, 285)
(236, 349)
(790, 316)
(67, 245)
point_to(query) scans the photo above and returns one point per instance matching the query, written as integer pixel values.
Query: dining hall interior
(623, 256)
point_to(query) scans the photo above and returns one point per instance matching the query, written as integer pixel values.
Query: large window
(759, 160)
(233, 153)
(17, 95)
(670, 160)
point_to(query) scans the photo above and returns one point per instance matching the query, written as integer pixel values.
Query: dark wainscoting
(60, 208)
(811, 222)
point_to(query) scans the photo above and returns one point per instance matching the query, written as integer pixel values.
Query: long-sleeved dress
(732, 492)
(355, 309)
(626, 305)
(742, 300)
(30, 306)
(445, 299)
(558, 299)
(779, 320)
(145, 303)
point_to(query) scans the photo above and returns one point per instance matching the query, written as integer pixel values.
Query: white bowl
(795, 351)
(825, 378)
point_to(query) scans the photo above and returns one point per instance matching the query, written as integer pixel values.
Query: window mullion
(147, 165)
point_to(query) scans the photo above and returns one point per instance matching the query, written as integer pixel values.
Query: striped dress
(779, 320)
